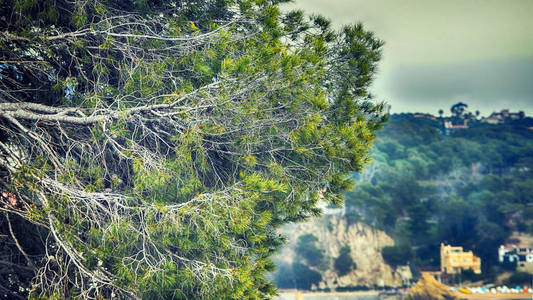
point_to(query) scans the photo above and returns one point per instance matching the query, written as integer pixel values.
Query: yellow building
(454, 259)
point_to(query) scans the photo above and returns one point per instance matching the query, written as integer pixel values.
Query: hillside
(471, 187)
(319, 263)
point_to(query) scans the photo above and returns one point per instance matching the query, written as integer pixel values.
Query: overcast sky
(439, 52)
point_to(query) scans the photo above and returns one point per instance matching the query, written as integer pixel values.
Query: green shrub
(304, 276)
(518, 278)
(344, 263)
(397, 255)
(307, 249)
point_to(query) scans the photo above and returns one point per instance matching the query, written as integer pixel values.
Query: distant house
(503, 117)
(451, 125)
(327, 209)
(522, 256)
(493, 119)
(426, 116)
(453, 260)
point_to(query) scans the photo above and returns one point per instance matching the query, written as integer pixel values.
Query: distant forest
(470, 187)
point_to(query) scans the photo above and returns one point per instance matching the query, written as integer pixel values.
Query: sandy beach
(497, 296)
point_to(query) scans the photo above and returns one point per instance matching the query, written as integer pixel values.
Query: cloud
(437, 52)
(487, 85)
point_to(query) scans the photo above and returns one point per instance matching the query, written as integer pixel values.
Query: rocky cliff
(365, 243)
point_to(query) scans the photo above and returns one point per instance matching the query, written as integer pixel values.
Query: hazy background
(440, 52)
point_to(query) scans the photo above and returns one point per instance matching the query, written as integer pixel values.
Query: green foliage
(296, 276)
(306, 276)
(519, 278)
(307, 249)
(397, 255)
(426, 188)
(469, 275)
(159, 145)
(344, 263)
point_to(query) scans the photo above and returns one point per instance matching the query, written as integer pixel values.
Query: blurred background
(452, 167)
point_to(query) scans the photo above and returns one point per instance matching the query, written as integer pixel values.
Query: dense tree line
(304, 271)
(472, 188)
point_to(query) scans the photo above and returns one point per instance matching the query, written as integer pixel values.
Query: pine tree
(152, 148)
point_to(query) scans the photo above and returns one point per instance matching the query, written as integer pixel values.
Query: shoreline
(339, 293)
(376, 292)
(496, 296)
